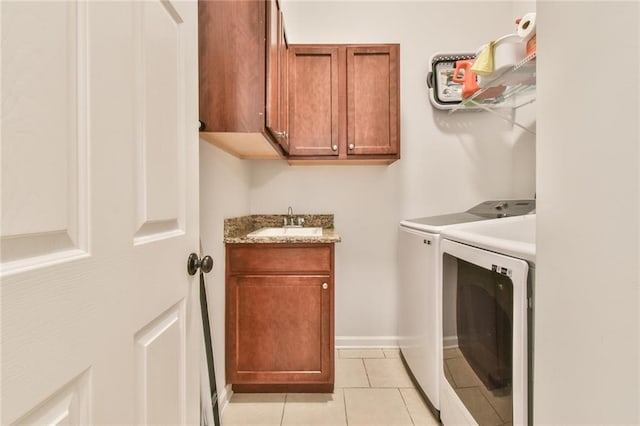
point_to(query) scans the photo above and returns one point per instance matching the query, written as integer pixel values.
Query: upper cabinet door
(344, 103)
(276, 120)
(232, 65)
(373, 106)
(283, 60)
(273, 53)
(313, 101)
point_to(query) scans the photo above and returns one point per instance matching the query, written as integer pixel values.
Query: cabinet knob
(325, 286)
(282, 135)
(351, 146)
(334, 147)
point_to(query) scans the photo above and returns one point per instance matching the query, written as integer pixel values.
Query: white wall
(587, 327)
(224, 192)
(449, 162)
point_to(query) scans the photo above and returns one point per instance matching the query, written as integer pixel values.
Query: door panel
(160, 368)
(44, 200)
(160, 143)
(99, 140)
(68, 406)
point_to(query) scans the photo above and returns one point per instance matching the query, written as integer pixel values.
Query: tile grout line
(366, 372)
(406, 406)
(344, 400)
(283, 407)
(478, 387)
(445, 364)
(495, 410)
(405, 398)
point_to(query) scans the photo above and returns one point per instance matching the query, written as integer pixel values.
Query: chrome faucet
(292, 220)
(290, 214)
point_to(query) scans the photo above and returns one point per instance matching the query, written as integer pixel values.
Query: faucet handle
(285, 221)
(300, 221)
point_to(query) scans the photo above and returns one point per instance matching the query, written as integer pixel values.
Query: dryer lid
(492, 209)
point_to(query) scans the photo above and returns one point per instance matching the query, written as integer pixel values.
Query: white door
(100, 321)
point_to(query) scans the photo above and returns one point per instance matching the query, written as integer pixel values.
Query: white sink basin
(286, 232)
(513, 236)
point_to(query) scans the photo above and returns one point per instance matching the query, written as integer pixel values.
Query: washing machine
(488, 275)
(419, 287)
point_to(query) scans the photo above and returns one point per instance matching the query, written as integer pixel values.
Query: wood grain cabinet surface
(276, 109)
(261, 98)
(280, 317)
(242, 61)
(344, 102)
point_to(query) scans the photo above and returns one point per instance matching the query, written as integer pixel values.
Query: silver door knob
(351, 146)
(334, 147)
(325, 286)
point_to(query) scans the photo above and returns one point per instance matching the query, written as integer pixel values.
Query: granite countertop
(237, 228)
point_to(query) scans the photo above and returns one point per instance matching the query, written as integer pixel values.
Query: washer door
(484, 336)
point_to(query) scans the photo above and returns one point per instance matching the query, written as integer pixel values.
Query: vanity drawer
(297, 258)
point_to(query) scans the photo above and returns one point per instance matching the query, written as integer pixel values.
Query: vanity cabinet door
(280, 317)
(281, 329)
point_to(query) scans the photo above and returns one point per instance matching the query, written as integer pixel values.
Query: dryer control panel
(503, 208)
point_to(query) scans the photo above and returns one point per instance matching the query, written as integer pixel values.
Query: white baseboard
(450, 342)
(224, 396)
(366, 342)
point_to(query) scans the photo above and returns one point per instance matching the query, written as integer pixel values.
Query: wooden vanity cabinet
(242, 66)
(344, 102)
(280, 317)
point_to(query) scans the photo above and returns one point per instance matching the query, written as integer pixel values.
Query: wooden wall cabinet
(280, 317)
(344, 103)
(263, 99)
(242, 66)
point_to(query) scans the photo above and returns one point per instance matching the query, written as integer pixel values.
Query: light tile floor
(489, 407)
(372, 388)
